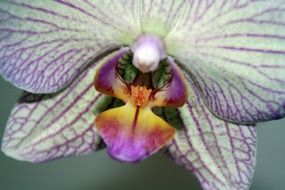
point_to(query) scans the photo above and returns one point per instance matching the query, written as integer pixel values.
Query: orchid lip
(133, 132)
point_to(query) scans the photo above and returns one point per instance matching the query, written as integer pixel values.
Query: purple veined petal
(236, 52)
(45, 44)
(46, 127)
(222, 155)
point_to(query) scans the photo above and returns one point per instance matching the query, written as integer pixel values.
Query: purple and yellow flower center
(132, 132)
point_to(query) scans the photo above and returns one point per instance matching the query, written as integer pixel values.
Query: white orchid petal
(46, 127)
(235, 50)
(221, 154)
(45, 44)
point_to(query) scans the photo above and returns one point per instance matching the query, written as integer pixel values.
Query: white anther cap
(148, 52)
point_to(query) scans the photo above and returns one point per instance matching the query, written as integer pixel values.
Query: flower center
(140, 95)
(143, 78)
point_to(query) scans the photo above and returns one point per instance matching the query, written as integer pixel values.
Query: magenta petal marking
(106, 80)
(175, 93)
(128, 149)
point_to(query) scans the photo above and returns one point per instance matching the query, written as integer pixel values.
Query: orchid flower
(191, 78)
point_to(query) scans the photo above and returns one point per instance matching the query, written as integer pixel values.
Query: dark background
(99, 172)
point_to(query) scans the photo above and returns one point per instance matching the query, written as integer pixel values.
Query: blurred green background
(99, 172)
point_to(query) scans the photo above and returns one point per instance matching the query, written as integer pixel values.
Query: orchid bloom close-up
(190, 78)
